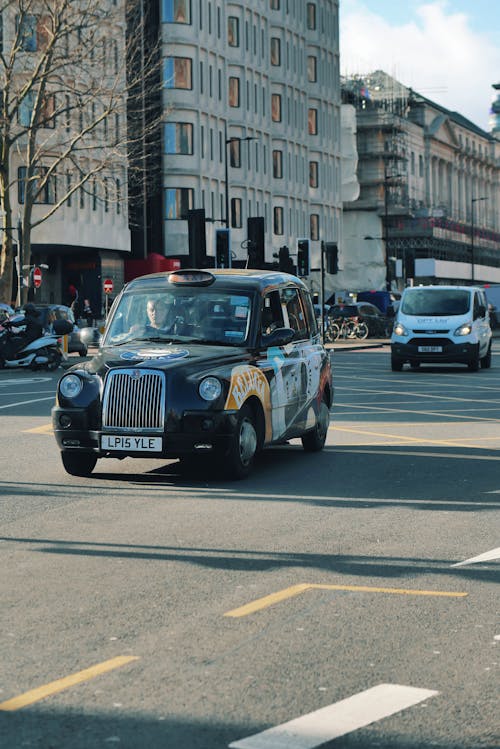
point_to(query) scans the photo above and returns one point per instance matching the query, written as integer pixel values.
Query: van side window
(477, 306)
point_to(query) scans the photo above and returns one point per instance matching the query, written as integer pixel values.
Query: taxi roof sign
(191, 277)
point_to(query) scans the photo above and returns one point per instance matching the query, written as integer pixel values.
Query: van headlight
(465, 329)
(210, 388)
(400, 329)
(70, 386)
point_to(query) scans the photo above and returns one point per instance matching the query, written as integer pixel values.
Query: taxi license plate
(131, 444)
(430, 349)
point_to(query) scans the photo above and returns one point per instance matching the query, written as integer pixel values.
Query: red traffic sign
(37, 277)
(108, 285)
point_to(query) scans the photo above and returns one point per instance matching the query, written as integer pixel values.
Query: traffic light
(285, 261)
(255, 234)
(410, 264)
(303, 266)
(196, 238)
(222, 249)
(332, 257)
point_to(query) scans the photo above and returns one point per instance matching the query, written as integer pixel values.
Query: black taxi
(197, 364)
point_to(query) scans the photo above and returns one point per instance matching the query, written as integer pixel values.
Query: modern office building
(251, 102)
(429, 203)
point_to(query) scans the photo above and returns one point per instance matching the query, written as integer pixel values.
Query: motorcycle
(42, 353)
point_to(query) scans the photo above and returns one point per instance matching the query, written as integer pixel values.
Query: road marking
(295, 590)
(45, 429)
(46, 690)
(488, 556)
(372, 451)
(24, 403)
(424, 440)
(336, 720)
(24, 381)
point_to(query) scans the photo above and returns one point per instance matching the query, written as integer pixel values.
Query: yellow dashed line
(295, 590)
(45, 429)
(35, 695)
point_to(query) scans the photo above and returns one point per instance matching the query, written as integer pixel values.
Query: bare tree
(70, 71)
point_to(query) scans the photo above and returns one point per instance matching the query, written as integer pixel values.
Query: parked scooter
(42, 353)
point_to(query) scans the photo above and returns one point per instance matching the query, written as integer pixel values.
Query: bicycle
(345, 327)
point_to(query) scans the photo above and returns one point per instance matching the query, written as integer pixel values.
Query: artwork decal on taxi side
(245, 382)
(160, 354)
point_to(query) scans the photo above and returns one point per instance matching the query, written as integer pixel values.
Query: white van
(442, 324)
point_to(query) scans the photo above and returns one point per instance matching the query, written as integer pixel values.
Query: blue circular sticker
(159, 354)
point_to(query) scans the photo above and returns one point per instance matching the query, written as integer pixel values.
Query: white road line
(488, 556)
(25, 403)
(336, 720)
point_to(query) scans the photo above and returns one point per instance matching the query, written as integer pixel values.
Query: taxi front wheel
(239, 461)
(79, 464)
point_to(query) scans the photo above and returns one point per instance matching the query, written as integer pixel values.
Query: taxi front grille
(134, 400)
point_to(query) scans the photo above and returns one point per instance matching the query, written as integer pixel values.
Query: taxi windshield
(201, 315)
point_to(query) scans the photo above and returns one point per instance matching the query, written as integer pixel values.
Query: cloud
(436, 53)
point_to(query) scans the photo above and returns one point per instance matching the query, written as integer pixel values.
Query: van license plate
(430, 349)
(131, 444)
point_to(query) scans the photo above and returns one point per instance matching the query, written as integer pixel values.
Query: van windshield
(436, 302)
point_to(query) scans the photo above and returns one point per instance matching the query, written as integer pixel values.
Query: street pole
(226, 176)
(386, 235)
(19, 300)
(322, 290)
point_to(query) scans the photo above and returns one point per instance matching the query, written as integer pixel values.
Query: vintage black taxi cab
(197, 363)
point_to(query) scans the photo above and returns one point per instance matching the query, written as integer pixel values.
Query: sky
(446, 50)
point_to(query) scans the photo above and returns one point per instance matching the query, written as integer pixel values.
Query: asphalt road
(144, 609)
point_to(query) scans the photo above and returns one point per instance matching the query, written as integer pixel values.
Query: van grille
(134, 400)
(431, 341)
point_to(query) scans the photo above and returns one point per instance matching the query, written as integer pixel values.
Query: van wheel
(473, 363)
(486, 360)
(396, 363)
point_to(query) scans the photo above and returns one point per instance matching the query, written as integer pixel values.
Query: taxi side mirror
(278, 337)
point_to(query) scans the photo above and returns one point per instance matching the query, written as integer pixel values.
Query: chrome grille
(134, 400)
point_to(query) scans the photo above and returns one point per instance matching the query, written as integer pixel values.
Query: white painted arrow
(488, 556)
(335, 720)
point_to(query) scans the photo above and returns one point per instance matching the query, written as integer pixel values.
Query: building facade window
(236, 213)
(278, 164)
(312, 121)
(233, 31)
(235, 153)
(275, 51)
(178, 201)
(276, 107)
(312, 72)
(45, 193)
(234, 91)
(311, 16)
(313, 174)
(278, 227)
(274, 4)
(177, 72)
(176, 11)
(178, 138)
(314, 226)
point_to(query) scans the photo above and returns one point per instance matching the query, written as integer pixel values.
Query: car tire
(474, 361)
(83, 351)
(314, 441)
(486, 360)
(78, 464)
(238, 462)
(396, 363)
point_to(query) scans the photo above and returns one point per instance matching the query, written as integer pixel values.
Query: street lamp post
(472, 259)
(388, 275)
(228, 141)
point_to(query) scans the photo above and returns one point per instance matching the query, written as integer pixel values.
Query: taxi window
(293, 313)
(271, 314)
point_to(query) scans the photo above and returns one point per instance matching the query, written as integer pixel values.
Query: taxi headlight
(465, 329)
(70, 386)
(400, 329)
(210, 388)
